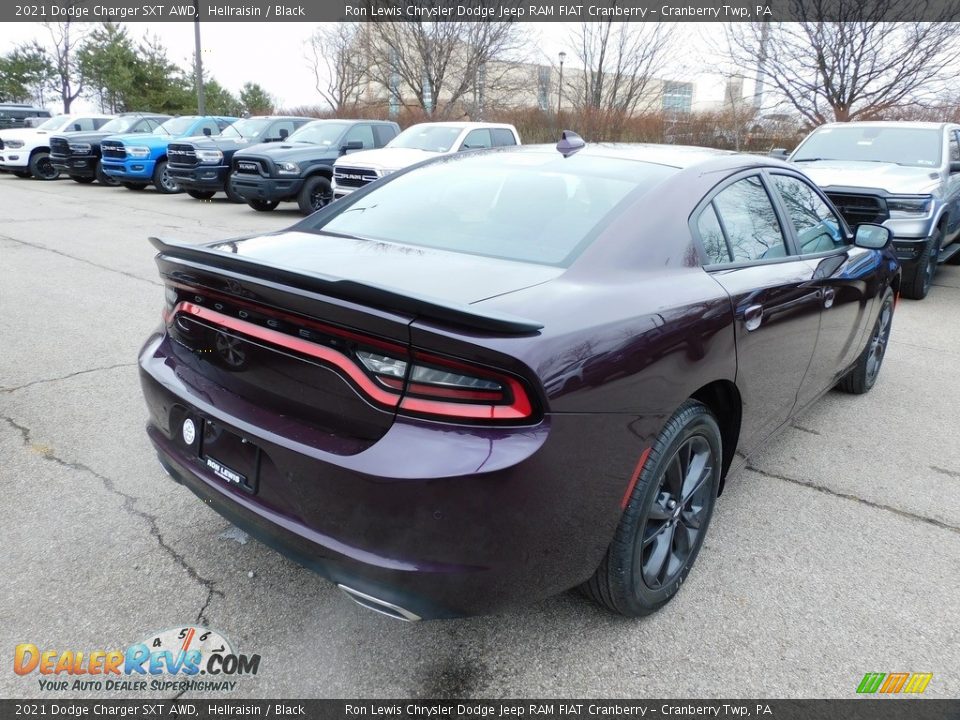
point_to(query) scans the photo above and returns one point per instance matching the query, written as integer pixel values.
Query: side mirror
(779, 153)
(954, 166)
(283, 133)
(872, 237)
(352, 145)
(207, 132)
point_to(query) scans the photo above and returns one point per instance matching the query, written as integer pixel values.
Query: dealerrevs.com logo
(185, 658)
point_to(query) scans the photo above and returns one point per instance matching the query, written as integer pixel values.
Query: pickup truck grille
(249, 166)
(113, 150)
(181, 155)
(353, 177)
(858, 209)
(59, 147)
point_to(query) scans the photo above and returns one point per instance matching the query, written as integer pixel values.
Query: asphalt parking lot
(836, 553)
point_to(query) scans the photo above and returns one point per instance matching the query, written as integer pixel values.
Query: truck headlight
(909, 207)
(384, 173)
(14, 144)
(288, 168)
(80, 148)
(138, 152)
(209, 157)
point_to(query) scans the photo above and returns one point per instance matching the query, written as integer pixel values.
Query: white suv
(416, 143)
(26, 151)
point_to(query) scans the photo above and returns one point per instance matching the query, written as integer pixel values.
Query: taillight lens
(419, 384)
(434, 386)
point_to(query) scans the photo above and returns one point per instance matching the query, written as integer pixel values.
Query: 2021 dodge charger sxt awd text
(506, 373)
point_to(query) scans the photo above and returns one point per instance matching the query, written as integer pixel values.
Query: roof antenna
(570, 143)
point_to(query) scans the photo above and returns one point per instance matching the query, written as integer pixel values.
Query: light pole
(563, 56)
(198, 65)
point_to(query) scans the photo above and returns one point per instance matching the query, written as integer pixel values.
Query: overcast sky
(272, 54)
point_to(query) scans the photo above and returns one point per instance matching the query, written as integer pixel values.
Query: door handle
(752, 317)
(829, 294)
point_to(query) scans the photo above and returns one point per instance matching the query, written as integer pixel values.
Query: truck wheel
(201, 194)
(232, 194)
(916, 283)
(864, 374)
(666, 516)
(105, 179)
(263, 205)
(135, 186)
(41, 167)
(162, 180)
(317, 192)
(83, 180)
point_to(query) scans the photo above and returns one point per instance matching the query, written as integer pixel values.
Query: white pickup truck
(26, 151)
(416, 143)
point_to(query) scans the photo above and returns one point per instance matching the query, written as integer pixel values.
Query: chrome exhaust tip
(379, 606)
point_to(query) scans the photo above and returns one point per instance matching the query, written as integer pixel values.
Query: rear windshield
(531, 207)
(918, 147)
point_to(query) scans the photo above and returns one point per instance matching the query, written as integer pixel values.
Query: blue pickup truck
(138, 160)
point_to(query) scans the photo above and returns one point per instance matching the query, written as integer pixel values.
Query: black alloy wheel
(41, 167)
(665, 518)
(863, 375)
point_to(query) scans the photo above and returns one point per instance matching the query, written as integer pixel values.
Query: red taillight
(421, 385)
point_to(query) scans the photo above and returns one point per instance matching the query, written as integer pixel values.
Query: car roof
(462, 124)
(678, 156)
(919, 125)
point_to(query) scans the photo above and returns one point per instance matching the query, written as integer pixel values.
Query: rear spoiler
(381, 297)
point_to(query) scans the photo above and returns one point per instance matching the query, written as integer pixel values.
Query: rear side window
(84, 124)
(711, 234)
(818, 228)
(502, 137)
(954, 146)
(752, 229)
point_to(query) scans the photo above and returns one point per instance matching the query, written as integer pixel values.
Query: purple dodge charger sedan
(502, 374)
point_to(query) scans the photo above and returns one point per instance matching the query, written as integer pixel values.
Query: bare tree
(336, 54)
(854, 60)
(66, 39)
(441, 67)
(620, 63)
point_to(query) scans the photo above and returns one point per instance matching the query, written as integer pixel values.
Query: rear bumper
(84, 166)
(441, 521)
(200, 177)
(129, 170)
(257, 187)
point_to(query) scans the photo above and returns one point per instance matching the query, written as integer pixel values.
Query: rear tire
(201, 194)
(162, 180)
(105, 179)
(864, 374)
(666, 518)
(135, 186)
(263, 205)
(82, 180)
(41, 167)
(917, 283)
(316, 193)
